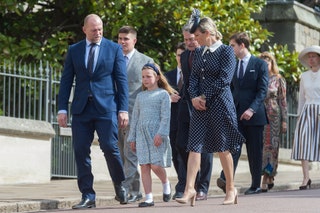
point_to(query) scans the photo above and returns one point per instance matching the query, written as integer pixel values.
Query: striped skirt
(306, 144)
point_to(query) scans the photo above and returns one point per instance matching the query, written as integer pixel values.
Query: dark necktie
(180, 82)
(91, 57)
(190, 59)
(241, 70)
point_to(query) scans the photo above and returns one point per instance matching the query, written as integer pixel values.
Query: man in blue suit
(249, 88)
(100, 104)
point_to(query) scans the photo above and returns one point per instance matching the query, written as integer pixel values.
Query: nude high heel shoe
(186, 197)
(232, 200)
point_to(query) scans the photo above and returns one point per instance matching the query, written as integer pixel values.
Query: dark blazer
(185, 103)
(251, 90)
(108, 84)
(172, 80)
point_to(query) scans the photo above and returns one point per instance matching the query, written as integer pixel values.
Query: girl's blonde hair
(162, 82)
(270, 58)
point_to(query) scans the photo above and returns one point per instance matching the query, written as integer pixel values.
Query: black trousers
(254, 146)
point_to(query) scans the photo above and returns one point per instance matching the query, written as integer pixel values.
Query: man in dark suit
(174, 78)
(127, 38)
(204, 175)
(100, 104)
(249, 88)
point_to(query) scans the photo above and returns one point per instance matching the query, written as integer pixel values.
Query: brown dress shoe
(201, 196)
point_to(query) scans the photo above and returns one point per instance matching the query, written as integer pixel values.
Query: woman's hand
(284, 127)
(199, 103)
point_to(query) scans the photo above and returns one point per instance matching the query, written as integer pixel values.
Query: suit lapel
(81, 54)
(102, 48)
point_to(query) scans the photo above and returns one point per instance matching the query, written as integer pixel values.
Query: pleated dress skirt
(306, 144)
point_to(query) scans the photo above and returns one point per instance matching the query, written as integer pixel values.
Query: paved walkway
(62, 194)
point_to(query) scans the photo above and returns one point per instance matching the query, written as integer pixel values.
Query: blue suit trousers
(83, 127)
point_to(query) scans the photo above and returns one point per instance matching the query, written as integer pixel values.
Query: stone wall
(25, 153)
(292, 23)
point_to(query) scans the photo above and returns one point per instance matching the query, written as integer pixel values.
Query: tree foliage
(42, 29)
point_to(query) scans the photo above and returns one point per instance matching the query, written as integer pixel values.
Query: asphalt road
(304, 201)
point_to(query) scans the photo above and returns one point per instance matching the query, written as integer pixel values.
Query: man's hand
(123, 119)
(174, 98)
(62, 119)
(246, 115)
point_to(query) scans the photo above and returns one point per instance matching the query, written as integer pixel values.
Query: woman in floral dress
(276, 106)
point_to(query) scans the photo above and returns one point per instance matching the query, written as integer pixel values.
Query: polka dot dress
(215, 129)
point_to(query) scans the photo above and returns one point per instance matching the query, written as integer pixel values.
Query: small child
(149, 130)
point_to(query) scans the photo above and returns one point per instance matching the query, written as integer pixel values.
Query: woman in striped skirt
(307, 133)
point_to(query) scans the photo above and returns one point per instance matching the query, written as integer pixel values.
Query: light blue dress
(151, 116)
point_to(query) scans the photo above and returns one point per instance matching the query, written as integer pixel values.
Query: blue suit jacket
(251, 90)
(108, 84)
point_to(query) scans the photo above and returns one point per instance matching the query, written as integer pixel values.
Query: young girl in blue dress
(149, 130)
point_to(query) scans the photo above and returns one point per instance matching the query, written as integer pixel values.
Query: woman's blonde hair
(163, 82)
(208, 24)
(270, 58)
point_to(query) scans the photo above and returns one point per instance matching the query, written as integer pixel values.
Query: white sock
(149, 198)
(166, 188)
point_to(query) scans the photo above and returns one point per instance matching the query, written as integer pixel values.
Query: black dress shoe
(177, 195)
(85, 203)
(251, 191)
(201, 196)
(134, 198)
(145, 204)
(166, 197)
(121, 194)
(221, 184)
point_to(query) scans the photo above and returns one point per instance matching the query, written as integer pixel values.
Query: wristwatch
(252, 110)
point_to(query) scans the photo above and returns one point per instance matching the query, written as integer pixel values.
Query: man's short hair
(240, 38)
(127, 30)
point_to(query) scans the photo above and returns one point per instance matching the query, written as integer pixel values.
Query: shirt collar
(130, 54)
(246, 58)
(213, 47)
(88, 43)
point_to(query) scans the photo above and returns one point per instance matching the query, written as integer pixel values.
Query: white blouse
(309, 91)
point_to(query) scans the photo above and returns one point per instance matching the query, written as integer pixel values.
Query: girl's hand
(133, 146)
(157, 140)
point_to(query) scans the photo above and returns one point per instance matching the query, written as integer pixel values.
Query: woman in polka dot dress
(213, 125)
